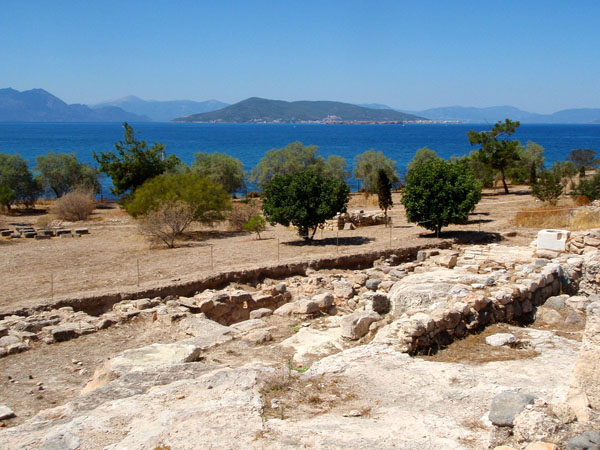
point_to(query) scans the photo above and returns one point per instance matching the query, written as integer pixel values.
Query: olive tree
(439, 193)
(306, 199)
(220, 168)
(62, 172)
(384, 193)
(295, 157)
(368, 164)
(17, 183)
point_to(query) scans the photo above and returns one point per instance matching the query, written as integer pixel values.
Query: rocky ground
(475, 347)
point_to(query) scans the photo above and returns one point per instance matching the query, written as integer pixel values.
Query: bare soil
(34, 271)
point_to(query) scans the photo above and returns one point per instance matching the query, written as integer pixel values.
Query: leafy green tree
(256, 224)
(421, 156)
(336, 167)
(208, 200)
(17, 183)
(548, 188)
(530, 164)
(384, 193)
(368, 164)
(583, 158)
(565, 170)
(295, 157)
(134, 163)
(439, 193)
(220, 168)
(496, 151)
(61, 172)
(306, 199)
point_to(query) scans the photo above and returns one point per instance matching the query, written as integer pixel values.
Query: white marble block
(552, 239)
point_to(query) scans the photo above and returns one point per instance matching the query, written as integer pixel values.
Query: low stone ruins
(364, 359)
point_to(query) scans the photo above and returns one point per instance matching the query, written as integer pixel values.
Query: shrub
(589, 187)
(166, 223)
(241, 212)
(384, 193)
(548, 188)
(256, 224)
(75, 205)
(306, 199)
(208, 200)
(439, 193)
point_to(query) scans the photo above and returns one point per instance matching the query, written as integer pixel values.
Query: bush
(384, 193)
(439, 193)
(421, 156)
(166, 223)
(75, 205)
(306, 199)
(256, 224)
(548, 188)
(589, 187)
(241, 212)
(208, 200)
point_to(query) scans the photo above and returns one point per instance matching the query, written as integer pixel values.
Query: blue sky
(541, 56)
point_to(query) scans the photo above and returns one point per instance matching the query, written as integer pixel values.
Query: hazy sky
(541, 56)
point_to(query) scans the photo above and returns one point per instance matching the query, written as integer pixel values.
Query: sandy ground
(33, 271)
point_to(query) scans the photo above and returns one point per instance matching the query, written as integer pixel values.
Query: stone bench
(63, 232)
(5, 233)
(29, 234)
(81, 231)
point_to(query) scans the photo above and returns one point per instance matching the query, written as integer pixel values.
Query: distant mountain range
(162, 111)
(37, 105)
(260, 110)
(495, 113)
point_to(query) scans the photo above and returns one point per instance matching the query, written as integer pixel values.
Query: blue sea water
(249, 142)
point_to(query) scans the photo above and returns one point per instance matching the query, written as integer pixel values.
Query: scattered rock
(260, 313)
(376, 301)
(6, 412)
(372, 284)
(343, 289)
(500, 339)
(324, 301)
(506, 405)
(356, 325)
(539, 445)
(588, 440)
(258, 336)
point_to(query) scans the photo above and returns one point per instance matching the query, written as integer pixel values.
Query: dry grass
(474, 350)
(584, 219)
(543, 217)
(242, 212)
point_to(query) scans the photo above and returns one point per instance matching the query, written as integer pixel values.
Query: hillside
(38, 105)
(263, 110)
(162, 111)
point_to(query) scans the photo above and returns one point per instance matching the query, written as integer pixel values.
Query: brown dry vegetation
(107, 257)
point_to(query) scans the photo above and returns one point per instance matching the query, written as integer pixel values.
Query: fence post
(138, 272)
(52, 285)
(212, 263)
(277, 249)
(337, 241)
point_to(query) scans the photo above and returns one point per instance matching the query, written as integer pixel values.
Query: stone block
(553, 239)
(260, 313)
(356, 325)
(506, 405)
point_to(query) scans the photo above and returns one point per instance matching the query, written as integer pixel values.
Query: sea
(249, 142)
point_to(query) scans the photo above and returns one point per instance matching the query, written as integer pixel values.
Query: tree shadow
(203, 235)
(469, 236)
(347, 240)
(500, 192)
